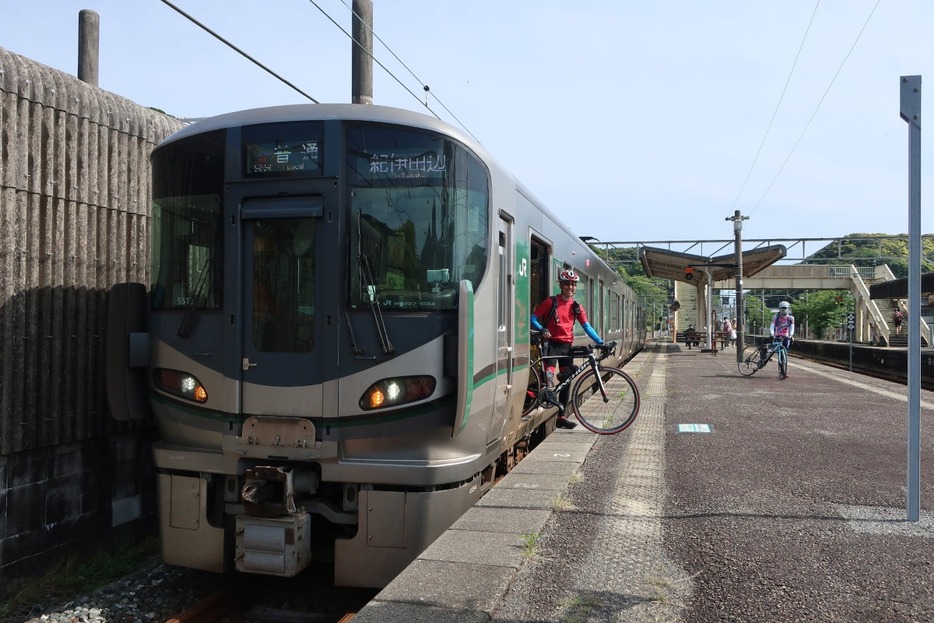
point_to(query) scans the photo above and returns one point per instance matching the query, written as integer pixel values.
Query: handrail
(882, 325)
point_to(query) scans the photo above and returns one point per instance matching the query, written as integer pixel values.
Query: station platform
(730, 498)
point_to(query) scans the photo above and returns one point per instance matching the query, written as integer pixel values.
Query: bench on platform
(699, 339)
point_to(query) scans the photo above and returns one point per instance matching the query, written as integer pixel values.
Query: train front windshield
(419, 212)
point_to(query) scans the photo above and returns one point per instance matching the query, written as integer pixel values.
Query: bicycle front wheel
(610, 411)
(782, 363)
(749, 361)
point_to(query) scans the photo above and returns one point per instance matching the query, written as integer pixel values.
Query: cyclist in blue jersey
(783, 326)
(555, 317)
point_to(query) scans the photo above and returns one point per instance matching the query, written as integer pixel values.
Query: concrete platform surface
(791, 507)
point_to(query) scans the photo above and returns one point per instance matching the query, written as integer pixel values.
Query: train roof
(323, 112)
(357, 112)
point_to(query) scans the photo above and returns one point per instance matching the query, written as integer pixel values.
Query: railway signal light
(689, 273)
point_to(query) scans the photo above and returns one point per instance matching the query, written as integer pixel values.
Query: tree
(758, 316)
(821, 310)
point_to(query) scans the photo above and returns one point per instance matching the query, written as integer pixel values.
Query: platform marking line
(632, 564)
(925, 404)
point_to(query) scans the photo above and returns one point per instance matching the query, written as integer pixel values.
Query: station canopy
(898, 289)
(667, 264)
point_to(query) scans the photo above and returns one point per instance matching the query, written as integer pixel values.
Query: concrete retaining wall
(74, 217)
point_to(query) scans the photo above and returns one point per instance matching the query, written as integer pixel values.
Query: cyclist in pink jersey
(783, 326)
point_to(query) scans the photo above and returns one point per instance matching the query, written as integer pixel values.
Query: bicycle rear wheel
(606, 414)
(749, 361)
(531, 393)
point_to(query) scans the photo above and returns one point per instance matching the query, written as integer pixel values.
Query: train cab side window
(419, 218)
(187, 215)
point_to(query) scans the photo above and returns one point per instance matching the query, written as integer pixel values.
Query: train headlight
(180, 384)
(397, 391)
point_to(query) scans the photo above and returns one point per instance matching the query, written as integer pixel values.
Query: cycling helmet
(568, 275)
(784, 305)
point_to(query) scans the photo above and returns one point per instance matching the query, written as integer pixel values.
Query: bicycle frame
(777, 346)
(548, 395)
(759, 356)
(591, 360)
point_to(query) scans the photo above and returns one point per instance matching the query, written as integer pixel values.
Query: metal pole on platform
(740, 327)
(911, 113)
(708, 294)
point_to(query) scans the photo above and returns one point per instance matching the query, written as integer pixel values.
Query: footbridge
(872, 315)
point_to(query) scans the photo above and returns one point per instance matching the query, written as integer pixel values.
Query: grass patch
(75, 573)
(561, 503)
(530, 544)
(581, 609)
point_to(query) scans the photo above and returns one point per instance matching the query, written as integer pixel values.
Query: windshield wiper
(366, 275)
(184, 327)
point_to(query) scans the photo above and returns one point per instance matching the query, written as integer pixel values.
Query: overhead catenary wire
(817, 108)
(777, 106)
(425, 87)
(349, 36)
(238, 50)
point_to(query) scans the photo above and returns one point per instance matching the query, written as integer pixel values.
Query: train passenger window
(419, 218)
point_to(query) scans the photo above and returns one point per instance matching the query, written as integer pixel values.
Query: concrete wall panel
(74, 220)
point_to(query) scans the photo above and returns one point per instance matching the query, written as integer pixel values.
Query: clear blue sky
(631, 120)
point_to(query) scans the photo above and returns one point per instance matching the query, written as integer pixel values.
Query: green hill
(876, 249)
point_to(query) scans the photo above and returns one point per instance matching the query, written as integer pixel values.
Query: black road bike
(615, 403)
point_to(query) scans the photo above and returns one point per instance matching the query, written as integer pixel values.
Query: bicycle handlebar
(606, 349)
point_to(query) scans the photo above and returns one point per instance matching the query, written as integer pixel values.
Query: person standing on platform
(555, 317)
(728, 335)
(783, 326)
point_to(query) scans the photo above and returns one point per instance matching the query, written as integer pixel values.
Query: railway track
(886, 375)
(306, 598)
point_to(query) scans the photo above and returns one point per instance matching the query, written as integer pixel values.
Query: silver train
(335, 342)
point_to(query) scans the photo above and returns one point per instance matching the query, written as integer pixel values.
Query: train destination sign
(414, 166)
(282, 158)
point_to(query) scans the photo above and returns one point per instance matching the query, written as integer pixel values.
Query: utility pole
(740, 327)
(89, 36)
(362, 53)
